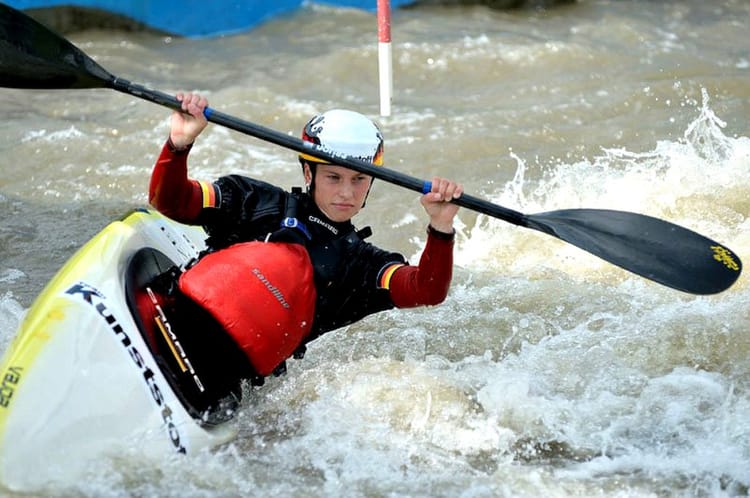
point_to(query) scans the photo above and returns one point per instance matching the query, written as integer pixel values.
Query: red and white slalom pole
(385, 59)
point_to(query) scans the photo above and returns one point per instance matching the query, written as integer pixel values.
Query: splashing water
(670, 182)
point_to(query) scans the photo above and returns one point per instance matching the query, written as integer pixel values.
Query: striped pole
(385, 62)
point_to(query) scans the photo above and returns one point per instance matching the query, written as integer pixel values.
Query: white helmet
(346, 133)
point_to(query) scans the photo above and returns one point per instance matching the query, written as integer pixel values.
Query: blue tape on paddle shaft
(426, 187)
(207, 112)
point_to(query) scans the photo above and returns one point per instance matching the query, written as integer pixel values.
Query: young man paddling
(285, 267)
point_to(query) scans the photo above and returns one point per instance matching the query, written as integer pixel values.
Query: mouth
(343, 207)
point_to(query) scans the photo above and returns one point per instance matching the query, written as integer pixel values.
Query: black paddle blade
(32, 56)
(655, 249)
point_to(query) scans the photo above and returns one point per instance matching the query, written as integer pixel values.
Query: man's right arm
(173, 193)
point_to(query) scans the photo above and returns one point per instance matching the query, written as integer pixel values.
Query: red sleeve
(171, 191)
(428, 283)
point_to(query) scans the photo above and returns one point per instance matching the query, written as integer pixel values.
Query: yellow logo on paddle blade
(725, 257)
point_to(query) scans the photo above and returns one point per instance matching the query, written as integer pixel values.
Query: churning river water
(547, 372)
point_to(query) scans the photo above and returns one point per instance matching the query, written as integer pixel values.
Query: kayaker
(282, 267)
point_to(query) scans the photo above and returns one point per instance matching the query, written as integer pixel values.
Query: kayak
(85, 376)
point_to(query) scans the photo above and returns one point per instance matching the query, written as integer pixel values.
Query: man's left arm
(428, 283)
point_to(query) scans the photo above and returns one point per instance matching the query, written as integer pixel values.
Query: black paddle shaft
(34, 57)
(299, 145)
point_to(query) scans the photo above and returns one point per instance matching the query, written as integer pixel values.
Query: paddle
(33, 57)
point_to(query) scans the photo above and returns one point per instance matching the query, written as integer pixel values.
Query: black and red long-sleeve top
(353, 278)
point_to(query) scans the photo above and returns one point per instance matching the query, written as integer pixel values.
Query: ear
(308, 174)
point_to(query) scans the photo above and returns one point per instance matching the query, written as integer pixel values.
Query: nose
(347, 190)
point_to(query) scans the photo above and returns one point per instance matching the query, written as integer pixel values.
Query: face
(339, 192)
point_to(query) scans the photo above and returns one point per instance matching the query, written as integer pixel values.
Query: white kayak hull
(79, 381)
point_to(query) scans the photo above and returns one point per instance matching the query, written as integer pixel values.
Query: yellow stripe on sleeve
(209, 194)
(387, 273)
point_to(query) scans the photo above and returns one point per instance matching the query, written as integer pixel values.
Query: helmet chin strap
(309, 187)
(364, 203)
